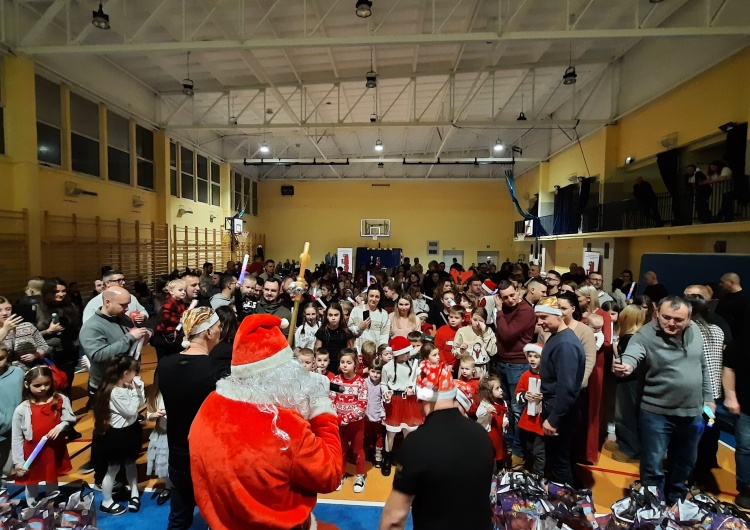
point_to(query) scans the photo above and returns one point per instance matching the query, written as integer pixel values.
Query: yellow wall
(469, 216)
(693, 110)
(570, 162)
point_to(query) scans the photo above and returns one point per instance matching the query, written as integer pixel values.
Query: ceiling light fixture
(187, 84)
(498, 147)
(569, 77)
(364, 8)
(378, 145)
(371, 79)
(100, 19)
(264, 147)
(521, 117)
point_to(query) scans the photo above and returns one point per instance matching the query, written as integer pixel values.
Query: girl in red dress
(492, 413)
(43, 412)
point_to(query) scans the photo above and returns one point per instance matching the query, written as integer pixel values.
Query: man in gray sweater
(676, 388)
(104, 336)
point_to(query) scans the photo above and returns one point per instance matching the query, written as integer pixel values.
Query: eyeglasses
(116, 280)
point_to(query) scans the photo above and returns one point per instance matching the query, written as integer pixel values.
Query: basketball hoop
(374, 232)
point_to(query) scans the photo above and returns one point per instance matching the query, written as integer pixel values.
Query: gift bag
(79, 511)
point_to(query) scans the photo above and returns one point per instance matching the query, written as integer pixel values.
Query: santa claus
(266, 442)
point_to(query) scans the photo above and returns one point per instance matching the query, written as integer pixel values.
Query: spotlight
(569, 77)
(498, 147)
(378, 145)
(364, 8)
(381, 165)
(728, 126)
(521, 117)
(187, 87)
(557, 188)
(264, 147)
(371, 79)
(629, 160)
(99, 19)
(233, 120)
(373, 117)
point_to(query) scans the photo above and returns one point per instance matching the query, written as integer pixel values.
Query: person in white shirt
(115, 278)
(370, 322)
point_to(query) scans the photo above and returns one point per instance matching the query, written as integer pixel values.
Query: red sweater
(515, 329)
(171, 313)
(528, 423)
(444, 343)
(474, 384)
(351, 404)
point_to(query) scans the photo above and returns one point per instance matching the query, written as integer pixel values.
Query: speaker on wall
(287, 190)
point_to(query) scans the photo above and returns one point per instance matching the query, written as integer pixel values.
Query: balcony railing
(631, 214)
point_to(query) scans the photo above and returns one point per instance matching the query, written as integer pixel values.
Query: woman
(588, 300)
(431, 279)
(26, 346)
(222, 352)
(444, 285)
(713, 351)
(403, 320)
(370, 322)
(59, 322)
(647, 306)
(610, 379)
(627, 392)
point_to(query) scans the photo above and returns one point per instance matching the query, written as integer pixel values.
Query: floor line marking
(373, 504)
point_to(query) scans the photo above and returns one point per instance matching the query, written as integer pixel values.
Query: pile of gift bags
(77, 512)
(524, 501)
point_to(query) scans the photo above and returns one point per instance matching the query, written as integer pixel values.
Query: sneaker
(359, 484)
(341, 484)
(378, 457)
(86, 468)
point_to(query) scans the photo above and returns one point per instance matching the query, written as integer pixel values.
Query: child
(158, 450)
(350, 406)
(346, 307)
(167, 339)
(416, 340)
(366, 356)
(402, 413)
(304, 336)
(530, 425)
(467, 302)
(375, 414)
(306, 358)
(429, 371)
(468, 374)
(596, 322)
(322, 360)
(444, 338)
(116, 419)
(333, 334)
(477, 340)
(492, 413)
(43, 412)
(11, 384)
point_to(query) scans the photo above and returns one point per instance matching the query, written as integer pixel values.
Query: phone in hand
(365, 314)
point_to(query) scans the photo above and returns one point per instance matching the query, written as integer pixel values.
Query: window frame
(74, 133)
(46, 123)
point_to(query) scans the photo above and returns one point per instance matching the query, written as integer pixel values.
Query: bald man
(704, 292)
(654, 289)
(734, 306)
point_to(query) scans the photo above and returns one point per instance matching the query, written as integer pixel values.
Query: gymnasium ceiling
(452, 75)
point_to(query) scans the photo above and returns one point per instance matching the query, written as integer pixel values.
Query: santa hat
(435, 384)
(533, 347)
(400, 345)
(548, 305)
(489, 286)
(464, 394)
(259, 346)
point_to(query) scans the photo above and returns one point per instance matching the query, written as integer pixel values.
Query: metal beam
(108, 6)
(156, 13)
(392, 40)
(368, 160)
(41, 24)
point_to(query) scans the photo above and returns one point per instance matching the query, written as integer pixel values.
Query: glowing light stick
(302, 284)
(193, 304)
(368, 279)
(34, 453)
(632, 288)
(244, 268)
(711, 416)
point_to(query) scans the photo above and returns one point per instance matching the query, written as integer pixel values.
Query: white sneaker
(341, 485)
(359, 484)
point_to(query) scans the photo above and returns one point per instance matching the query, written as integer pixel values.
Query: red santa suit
(251, 470)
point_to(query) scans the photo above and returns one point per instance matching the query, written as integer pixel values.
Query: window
(49, 141)
(173, 189)
(2, 114)
(202, 178)
(84, 137)
(118, 148)
(237, 191)
(215, 184)
(248, 193)
(187, 180)
(255, 199)
(144, 152)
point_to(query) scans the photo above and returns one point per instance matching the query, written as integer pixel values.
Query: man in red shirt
(515, 329)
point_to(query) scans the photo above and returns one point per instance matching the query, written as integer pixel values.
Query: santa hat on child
(259, 346)
(400, 345)
(464, 394)
(489, 286)
(533, 347)
(435, 383)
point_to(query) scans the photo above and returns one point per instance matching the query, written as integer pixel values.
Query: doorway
(449, 255)
(492, 255)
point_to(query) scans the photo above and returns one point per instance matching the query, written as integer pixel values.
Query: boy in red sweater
(467, 374)
(445, 335)
(322, 360)
(530, 425)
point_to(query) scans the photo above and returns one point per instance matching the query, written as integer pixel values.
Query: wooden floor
(607, 478)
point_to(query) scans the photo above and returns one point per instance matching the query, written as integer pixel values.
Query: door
(483, 256)
(450, 255)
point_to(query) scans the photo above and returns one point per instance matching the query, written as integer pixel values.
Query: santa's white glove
(321, 403)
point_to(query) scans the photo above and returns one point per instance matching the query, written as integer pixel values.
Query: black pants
(707, 449)
(702, 209)
(558, 466)
(533, 449)
(182, 501)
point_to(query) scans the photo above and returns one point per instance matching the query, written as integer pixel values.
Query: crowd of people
(549, 367)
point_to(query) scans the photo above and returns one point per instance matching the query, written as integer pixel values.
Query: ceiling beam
(390, 40)
(44, 21)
